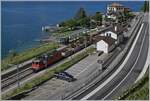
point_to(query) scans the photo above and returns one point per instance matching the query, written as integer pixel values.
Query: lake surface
(22, 21)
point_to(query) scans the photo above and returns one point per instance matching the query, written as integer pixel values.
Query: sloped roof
(120, 29)
(115, 5)
(108, 40)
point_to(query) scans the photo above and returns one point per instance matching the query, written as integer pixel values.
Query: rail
(95, 78)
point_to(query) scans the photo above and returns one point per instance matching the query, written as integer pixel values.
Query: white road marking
(117, 71)
(129, 71)
(145, 66)
(86, 68)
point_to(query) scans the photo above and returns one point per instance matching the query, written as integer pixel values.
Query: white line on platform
(145, 66)
(117, 71)
(129, 71)
(86, 68)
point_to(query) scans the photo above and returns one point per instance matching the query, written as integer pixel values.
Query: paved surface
(138, 65)
(86, 64)
(147, 62)
(41, 72)
(58, 89)
(136, 62)
(102, 79)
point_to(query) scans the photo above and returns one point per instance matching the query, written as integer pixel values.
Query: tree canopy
(81, 19)
(97, 16)
(145, 7)
(80, 14)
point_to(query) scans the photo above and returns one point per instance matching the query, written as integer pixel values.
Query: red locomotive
(50, 58)
(46, 60)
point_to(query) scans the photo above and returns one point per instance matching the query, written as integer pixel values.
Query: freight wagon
(48, 59)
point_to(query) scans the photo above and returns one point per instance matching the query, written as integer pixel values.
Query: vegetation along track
(13, 72)
(12, 79)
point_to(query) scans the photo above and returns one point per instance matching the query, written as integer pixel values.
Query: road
(58, 89)
(128, 74)
(137, 65)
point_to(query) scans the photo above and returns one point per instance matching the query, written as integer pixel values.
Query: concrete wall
(102, 46)
(111, 47)
(111, 17)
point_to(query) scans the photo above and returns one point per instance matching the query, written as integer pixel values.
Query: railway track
(77, 95)
(13, 72)
(11, 80)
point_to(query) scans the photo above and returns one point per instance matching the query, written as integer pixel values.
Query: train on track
(54, 56)
(50, 58)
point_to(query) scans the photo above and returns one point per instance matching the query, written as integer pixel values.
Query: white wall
(102, 46)
(111, 17)
(111, 34)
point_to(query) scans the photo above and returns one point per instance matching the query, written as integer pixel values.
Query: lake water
(22, 21)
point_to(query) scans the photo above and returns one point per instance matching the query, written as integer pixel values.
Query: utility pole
(18, 83)
(18, 76)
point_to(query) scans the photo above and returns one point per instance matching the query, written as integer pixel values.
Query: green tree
(128, 15)
(71, 23)
(98, 18)
(84, 22)
(145, 7)
(80, 14)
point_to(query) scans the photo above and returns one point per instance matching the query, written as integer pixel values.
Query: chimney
(115, 28)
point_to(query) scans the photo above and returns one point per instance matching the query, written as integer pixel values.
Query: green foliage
(145, 7)
(141, 94)
(97, 19)
(48, 75)
(139, 91)
(80, 19)
(84, 22)
(80, 14)
(128, 15)
(26, 55)
(97, 16)
(71, 23)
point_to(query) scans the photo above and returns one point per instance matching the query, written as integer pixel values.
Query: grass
(48, 75)
(139, 91)
(26, 55)
(140, 94)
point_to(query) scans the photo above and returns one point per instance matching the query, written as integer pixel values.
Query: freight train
(48, 59)
(73, 47)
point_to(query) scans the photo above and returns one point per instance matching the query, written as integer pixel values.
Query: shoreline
(26, 54)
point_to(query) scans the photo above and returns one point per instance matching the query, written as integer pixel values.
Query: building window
(110, 34)
(107, 34)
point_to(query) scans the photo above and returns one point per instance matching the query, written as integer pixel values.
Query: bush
(138, 91)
